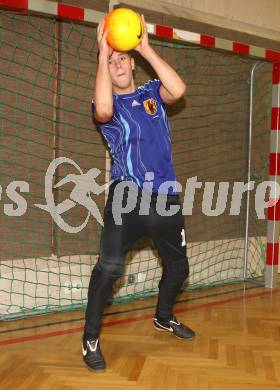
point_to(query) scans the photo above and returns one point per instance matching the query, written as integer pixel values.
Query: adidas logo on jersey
(135, 103)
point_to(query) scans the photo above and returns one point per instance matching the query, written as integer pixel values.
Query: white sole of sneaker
(163, 330)
(169, 331)
(94, 370)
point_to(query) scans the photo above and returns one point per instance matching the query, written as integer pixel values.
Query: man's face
(121, 66)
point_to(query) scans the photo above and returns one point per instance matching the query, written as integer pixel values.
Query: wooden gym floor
(237, 346)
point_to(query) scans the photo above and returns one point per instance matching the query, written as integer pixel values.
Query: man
(135, 126)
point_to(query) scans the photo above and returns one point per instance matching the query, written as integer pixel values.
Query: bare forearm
(103, 97)
(171, 81)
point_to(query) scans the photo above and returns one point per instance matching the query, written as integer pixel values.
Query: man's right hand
(103, 47)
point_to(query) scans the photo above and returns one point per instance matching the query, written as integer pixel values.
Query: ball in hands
(125, 29)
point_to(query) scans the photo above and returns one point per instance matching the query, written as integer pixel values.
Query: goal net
(47, 73)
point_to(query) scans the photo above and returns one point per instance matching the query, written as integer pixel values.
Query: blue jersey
(139, 138)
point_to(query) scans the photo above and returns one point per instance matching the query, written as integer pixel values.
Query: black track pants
(167, 233)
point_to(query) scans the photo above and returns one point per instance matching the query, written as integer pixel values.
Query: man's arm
(102, 95)
(173, 87)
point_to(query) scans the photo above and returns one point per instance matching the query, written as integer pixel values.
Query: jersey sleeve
(155, 86)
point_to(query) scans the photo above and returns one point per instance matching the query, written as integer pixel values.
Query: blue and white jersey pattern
(139, 138)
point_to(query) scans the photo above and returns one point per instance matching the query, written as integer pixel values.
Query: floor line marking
(40, 336)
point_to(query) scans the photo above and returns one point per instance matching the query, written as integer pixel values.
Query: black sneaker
(92, 354)
(174, 326)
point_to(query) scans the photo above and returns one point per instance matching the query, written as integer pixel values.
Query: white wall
(257, 17)
(262, 13)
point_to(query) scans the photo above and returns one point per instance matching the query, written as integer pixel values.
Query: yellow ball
(125, 29)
